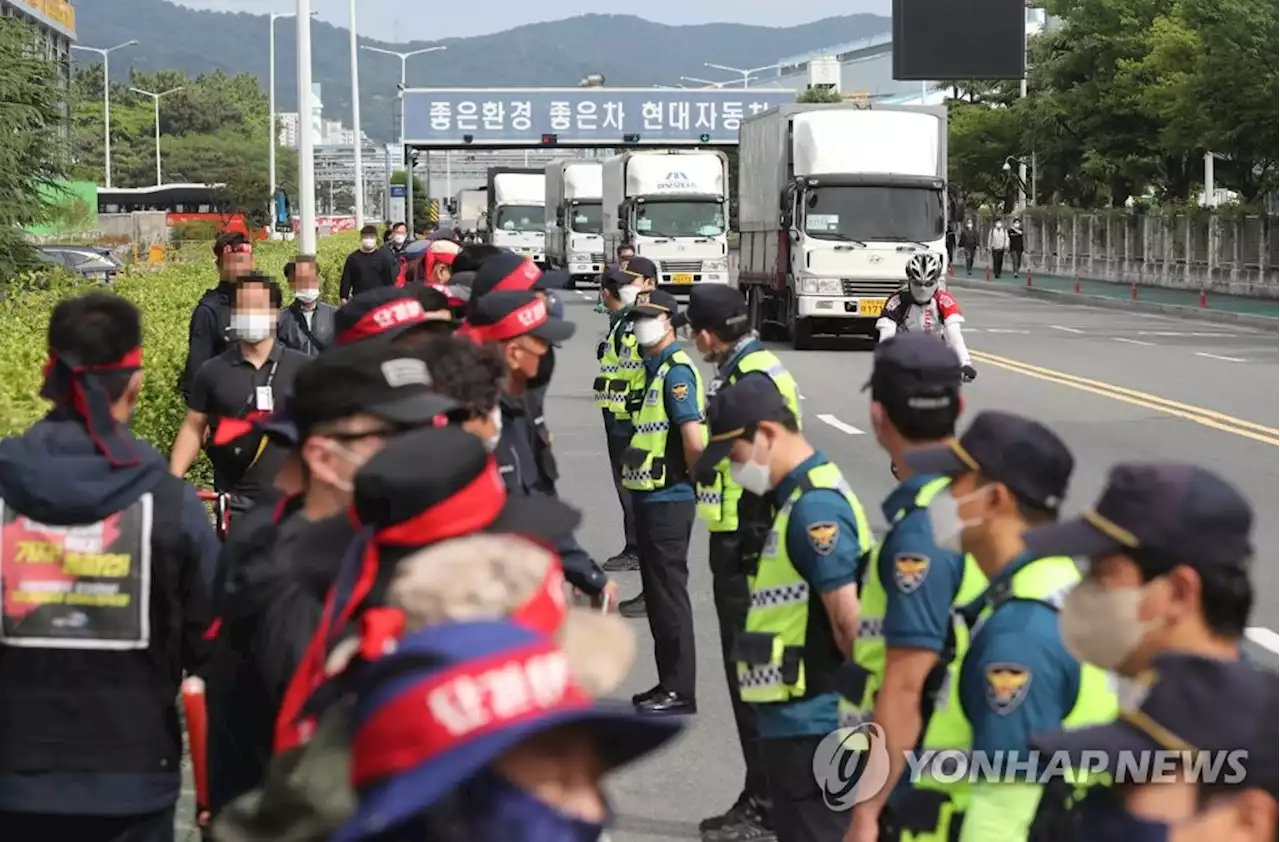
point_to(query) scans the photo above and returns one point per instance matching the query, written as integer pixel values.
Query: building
(56, 22)
(288, 129)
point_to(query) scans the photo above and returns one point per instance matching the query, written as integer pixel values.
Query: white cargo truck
(832, 202)
(469, 208)
(516, 214)
(574, 242)
(673, 207)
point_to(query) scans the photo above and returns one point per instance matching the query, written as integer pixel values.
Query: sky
(405, 20)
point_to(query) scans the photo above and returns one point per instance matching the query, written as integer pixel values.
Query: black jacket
(294, 333)
(366, 270)
(207, 335)
(93, 731)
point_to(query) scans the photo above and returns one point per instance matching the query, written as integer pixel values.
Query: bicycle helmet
(924, 269)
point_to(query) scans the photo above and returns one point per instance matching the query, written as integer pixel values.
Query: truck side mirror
(622, 225)
(784, 219)
(559, 216)
(795, 236)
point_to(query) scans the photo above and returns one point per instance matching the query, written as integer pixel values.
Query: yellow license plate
(683, 278)
(871, 308)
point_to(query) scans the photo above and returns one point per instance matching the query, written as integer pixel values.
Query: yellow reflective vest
(644, 465)
(621, 369)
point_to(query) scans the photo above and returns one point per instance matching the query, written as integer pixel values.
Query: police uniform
(786, 653)
(621, 372)
(713, 306)
(524, 454)
(655, 471)
(908, 594)
(1017, 677)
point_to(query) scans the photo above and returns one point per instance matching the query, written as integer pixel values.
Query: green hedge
(166, 296)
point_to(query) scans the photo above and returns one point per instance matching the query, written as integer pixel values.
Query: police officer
(802, 573)
(722, 332)
(668, 435)
(621, 373)
(520, 323)
(1009, 473)
(906, 655)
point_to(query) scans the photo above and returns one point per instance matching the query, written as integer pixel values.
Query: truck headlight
(578, 257)
(821, 286)
(715, 265)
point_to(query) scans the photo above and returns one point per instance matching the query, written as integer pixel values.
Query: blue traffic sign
(480, 117)
(398, 191)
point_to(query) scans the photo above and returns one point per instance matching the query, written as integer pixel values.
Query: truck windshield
(681, 219)
(866, 212)
(586, 219)
(524, 218)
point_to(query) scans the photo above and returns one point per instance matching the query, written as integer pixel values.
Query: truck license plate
(682, 278)
(871, 308)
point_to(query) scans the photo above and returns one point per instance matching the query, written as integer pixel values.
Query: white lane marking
(1264, 637)
(1207, 355)
(1134, 341)
(583, 293)
(1066, 329)
(833, 421)
(1003, 330)
(1181, 333)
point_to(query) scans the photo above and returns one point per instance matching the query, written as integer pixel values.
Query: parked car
(90, 262)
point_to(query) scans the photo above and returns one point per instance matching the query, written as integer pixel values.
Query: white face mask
(307, 296)
(650, 332)
(1102, 625)
(398, 239)
(491, 443)
(369, 243)
(628, 295)
(345, 486)
(752, 475)
(252, 327)
(945, 520)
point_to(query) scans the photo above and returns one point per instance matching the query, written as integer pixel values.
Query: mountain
(627, 50)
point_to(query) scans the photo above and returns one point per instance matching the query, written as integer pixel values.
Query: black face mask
(546, 366)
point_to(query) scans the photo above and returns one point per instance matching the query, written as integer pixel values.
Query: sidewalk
(1268, 308)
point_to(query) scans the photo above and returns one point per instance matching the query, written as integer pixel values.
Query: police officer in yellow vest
(906, 649)
(1009, 473)
(621, 373)
(722, 332)
(669, 424)
(803, 615)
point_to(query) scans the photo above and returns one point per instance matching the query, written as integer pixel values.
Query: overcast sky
(407, 20)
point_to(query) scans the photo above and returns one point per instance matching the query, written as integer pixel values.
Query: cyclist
(923, 307)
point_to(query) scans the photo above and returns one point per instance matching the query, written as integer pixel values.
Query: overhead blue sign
(480, 117)
(399, 191)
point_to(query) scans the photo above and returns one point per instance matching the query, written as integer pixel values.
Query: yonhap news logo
(1037, 767)
(851, 765)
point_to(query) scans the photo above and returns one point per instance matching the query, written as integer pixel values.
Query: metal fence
(1235, 256)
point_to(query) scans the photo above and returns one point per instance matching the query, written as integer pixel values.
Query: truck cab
(516, 213)
(574, 240)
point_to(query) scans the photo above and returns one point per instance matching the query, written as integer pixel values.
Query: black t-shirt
(366, 270)
(226, 387)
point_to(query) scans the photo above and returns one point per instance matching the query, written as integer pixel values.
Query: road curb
(1081, 299)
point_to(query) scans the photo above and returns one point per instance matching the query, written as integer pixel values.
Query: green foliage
(193, 231)
(818, 95)
(166, 297)
(421, 201)
(1125, 98)
(31, 156)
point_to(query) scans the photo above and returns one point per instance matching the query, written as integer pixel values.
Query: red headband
(545, 610)
(393, 314)
(71, 384)
(243, 248)
(463, 704)
(522, 278)
(518, 322)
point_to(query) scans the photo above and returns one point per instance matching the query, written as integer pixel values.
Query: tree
(818, 95)
(421, 201)
(33, 155)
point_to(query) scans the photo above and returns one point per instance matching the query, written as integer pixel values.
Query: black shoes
(624, 562)
(743, 822)
(660, 702)
(633, 608)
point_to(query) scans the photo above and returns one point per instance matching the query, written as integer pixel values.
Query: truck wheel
(802, 334)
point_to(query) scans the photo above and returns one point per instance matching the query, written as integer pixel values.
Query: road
(1115, 385)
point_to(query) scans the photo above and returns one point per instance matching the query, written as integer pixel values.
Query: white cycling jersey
(940, 315)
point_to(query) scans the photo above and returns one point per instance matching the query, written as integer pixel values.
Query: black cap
(734, 414)
(917, 370)
(422, 469)
(716, 305)
(640, 267)
(507, 270)
(1023, 455)
(658, 303)
(500, 316)
(365, 378)
(1189, 704)
(384, 313)
(1173, 512)
(615, 278)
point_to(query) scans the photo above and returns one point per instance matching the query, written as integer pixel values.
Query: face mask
(491, 443)
(252, 327)
(921, 293)
(398, 239)
(628, 295)
(1101, 625)
(546, 367)
(998, 226)
(650, 332)
(307, 296)
(945, 520)
(752, 475)
(501, 810)
(369, 243)
(345, 486)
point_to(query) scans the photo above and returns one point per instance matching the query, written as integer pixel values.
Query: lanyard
(251, 402)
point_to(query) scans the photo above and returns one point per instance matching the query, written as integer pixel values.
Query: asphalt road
(1115, 385)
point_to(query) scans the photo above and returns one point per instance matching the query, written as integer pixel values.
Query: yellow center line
(1198, 415)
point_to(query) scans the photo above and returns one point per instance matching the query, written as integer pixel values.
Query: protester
(387, 314)
(306, 325)
(207, 336)
(89, 741)
(368, 267)
(472, 375)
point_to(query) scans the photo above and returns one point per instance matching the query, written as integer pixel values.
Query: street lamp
(271, 96)
(306, 136)
(746, 74)
(705, 82)
(1021, 177)
(106, 100)
(404, 58)
(155, 98)
(355, 117)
